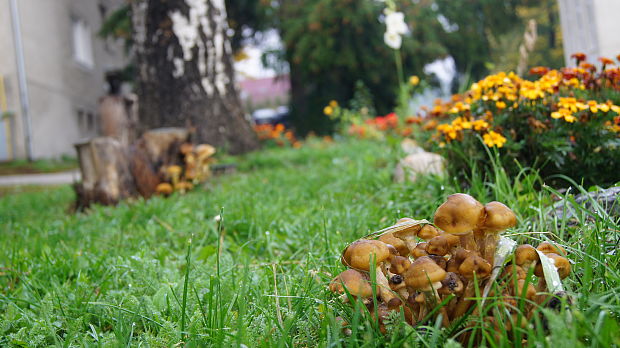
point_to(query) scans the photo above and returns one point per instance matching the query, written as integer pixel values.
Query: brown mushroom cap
(561, 264)
(186, 148)
(419, 250)
(530, 291)
(451, 284)
(498, 217)
(439, 260)
(399, 244)
(511, 270)
(408, 232)
(359, 253)
(204, 150)
(355, 282)
(546, 248)
(525, 255)
(173, 170)
(164, 188)
(427, 232)
(475, 265)
(421, 272)
(460, 214)
(183, 186)
(442, 244)
(399, 264)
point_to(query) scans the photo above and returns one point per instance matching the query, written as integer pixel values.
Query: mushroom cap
(399, 264)
(359, 253)
(427, 232)
(164, 188)
(561, 264)
(530, 291)
(451, 284)
(546, 248)
(439, 260)
(399, 244)
(355, 282)
(174, 169)
(498, 217)
(183, 185)
(525, 254)
(419, 250)
(422, 271)
(442, 244)
(514, 269)
(475, 265)
(460, 214)
(186, 148)
(204, 151)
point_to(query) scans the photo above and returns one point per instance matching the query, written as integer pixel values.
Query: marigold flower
(539, 70)
(328, 110)
(606, 61)
(479, 125)
(333, 104)
(414, 80)
(500, 105)
(493, 138)
(579, 57)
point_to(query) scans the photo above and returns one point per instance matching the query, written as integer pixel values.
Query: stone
(608, 199)
(420, 163)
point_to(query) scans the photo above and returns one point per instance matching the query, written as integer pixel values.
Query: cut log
(106, 178)
(161, 145)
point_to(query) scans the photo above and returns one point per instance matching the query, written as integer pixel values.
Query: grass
(38, 166)
(165, 271)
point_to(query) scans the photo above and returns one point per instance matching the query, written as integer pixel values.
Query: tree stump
(106, 178)
(112, 172)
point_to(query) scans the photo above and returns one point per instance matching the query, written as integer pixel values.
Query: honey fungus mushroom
(498, 218)
(425, 275)
(356, 283)
(164, 188)
(359, 255)
(460, 215)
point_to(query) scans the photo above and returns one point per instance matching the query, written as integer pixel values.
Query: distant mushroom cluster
(195, 169)
(422, 270)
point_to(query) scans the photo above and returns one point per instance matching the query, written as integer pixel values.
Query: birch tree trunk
(185, 73)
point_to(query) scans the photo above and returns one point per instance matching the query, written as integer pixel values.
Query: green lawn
(38, 166)
(148, 273)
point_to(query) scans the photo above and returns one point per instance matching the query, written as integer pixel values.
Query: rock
(418, 163)
(410, 147)
(608, 199)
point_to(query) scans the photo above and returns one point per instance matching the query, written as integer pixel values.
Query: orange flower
(413, 119)
(579, 57)
(539, 70)
(606, 61)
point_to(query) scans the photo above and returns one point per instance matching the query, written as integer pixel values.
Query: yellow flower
(414, 80)
(615, 108)
(500, 105)
(493, 138)
(480, 125)
(333, 104)
(603, 107)
(593, 106)
(328, 110)
(565, 114)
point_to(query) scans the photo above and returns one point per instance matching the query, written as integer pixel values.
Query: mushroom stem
(468, 241)
(488, 246)
(464, 302)
(385, 292)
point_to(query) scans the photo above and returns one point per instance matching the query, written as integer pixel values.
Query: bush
(565, 122)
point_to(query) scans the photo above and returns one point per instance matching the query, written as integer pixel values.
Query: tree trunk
(185, 73)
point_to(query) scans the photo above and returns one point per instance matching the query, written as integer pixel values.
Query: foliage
(128, 275)
(565, 122)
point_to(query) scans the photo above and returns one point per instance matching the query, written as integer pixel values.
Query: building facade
(591, 27)
(65, 63)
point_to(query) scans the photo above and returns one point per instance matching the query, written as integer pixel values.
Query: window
(82, 43)
(87, 124)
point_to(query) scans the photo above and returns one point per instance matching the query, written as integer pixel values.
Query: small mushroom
(407, 234)
(419, 250)
(475, 266)
(164, 188)
(359, 254)
(546, 248)
(399, 244)
(526, 256)
(399, 264)
(428, 232)
(460, 215)
(174, 172)
(498, 218)
(443, 244)
(183, 186)
(355, 282)
(426, 276)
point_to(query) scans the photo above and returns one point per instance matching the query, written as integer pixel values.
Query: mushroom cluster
(423, 270)
(195, 169)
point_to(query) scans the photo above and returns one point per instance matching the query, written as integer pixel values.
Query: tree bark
(185, 76)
